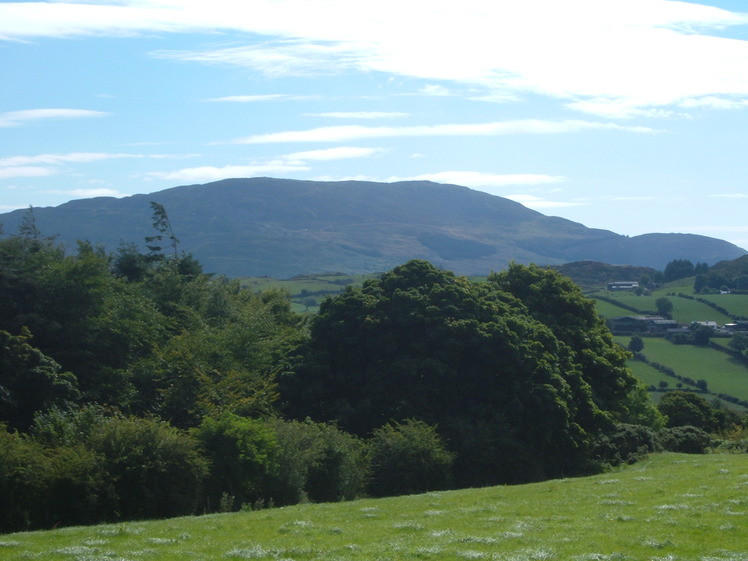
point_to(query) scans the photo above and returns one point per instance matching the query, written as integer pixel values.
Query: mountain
(281, 228)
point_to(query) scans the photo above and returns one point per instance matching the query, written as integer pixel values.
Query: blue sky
(627, 115)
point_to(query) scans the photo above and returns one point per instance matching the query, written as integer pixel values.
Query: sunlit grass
(671, 506)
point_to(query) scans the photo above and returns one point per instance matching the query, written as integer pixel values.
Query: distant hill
(281, 228)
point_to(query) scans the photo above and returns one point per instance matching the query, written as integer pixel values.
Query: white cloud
(88, 193)
(360, 115)
(354, 132)
(56, 159)
(214, 173)
(435, 90)
(260, 97)
(538, 203)
(481, 181)
(42, 165)
(287, 163)
(342, 152)
(19, 118)
(639, 55)
(25, 171)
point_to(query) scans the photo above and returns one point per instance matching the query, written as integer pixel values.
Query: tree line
(134, 385)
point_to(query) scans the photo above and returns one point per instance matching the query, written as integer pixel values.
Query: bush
(316, 461)
(406, 458)
(685, 439)
(154, 469)
(43, 488)
(242, 452)
(626, 444)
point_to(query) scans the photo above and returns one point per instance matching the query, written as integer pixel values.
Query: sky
(626, 115)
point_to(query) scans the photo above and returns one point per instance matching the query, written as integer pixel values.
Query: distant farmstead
(623, 285)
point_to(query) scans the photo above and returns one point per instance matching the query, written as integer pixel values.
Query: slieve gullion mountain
(281, 228)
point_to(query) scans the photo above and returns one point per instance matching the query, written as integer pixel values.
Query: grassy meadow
(672, 507)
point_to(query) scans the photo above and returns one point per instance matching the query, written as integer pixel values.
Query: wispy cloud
(360, 115)
(25, 171)
(618, 58)
(260, 98)
(482, 181)
(356, 132)
(19, 118)
(538, 203)
(88, 193)
(287, 163)
(41, 165)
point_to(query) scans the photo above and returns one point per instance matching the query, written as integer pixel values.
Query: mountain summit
(281, 228)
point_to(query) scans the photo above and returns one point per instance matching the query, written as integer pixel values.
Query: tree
(687, 408)
(636, 344)
(408, 457)
(678, 269)
(241, 452)
(30, 381)
(162, 225)
(664, 307)
(701, 334)
(559, 304)
(502, 388)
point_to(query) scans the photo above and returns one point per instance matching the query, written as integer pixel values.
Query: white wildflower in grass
(9, 543)
(470, 554)
(478, 539)
(615, 556)
(608, 481)
(616, 502)
(656, 544)
(441, 533)
(407, 526)
(428, 551)
(75, 550)
(433, 512)
(510, 534)
(161, 541)
(673, 507)
(253, 552)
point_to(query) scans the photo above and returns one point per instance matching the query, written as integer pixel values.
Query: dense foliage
(133, 385)
(519, 374)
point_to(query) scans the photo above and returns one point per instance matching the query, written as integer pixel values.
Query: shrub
(408, 457)
(241, 452)
(626, 444)
(154, 469)
(316, 461)
(42, 488)
(685, 439)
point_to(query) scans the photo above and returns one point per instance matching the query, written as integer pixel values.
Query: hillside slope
(671, 506)
(281, 228)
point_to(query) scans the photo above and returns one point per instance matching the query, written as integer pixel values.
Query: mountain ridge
(282, 228)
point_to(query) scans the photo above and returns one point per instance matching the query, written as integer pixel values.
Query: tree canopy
(518, 373)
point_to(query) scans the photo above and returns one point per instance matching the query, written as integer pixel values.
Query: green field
(722, 373)
(670, 506)
(307, 291)
(684, 309)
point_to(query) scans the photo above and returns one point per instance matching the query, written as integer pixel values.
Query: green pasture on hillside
(685, 310)
(669, 507)
(722, 373)
(736, 304)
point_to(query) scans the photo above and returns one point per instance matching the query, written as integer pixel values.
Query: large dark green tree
(558, 303)
(511, 398)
